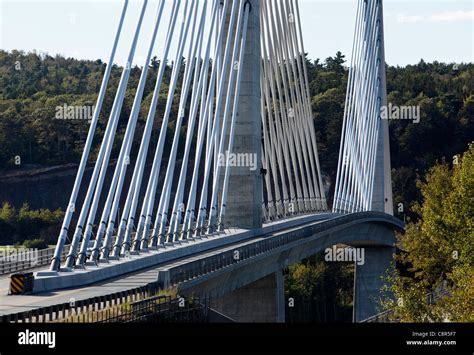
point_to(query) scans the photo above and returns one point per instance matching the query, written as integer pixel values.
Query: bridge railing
(182, 273)
(137, 305)
(160, 309)
(28, 259)
(387, 315)
(34, 259)
(80, 309)
(383, 317)
(212, 263)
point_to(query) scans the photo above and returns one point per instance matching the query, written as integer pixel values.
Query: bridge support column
(245, 194)
(368, 281)
(382, 199)
(262, 301)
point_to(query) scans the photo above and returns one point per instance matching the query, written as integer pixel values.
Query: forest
(33, 85)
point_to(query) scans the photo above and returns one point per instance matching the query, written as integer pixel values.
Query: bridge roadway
(325, 223)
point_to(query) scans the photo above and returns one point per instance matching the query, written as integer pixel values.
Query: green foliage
(437, 252)
(25, 224)
(29, 98)
(321, 291)
(33, 86)
(7, 213)
(35, 244)
(7, 222)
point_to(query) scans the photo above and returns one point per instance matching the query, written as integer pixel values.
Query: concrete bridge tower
(244, 200)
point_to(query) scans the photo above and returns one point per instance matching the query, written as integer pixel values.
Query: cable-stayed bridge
(242, 195)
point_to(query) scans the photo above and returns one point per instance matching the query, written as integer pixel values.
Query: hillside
(33, 86)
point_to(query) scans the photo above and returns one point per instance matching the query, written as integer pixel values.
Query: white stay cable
(123, 161)
(161, 217)
(189, 216)
(55, 263)
(308, 95)
(200, 89)
(222, 77)
(283, 99)
(234, 115)
(291, 102)
(343, 160)
(142, 234)
(126, 225)
(306, 120)
(104, 152)
(279, 136)
(98, 191)
(230, 96)
(301, 133)
(141, 238)
(370, 90)
(269, 154)
(356, 191)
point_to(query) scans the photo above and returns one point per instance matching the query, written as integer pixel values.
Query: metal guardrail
(80, 308)
(386, 316)
(160, 309)
(383, 317)
(33, 260)
(42, 258)
(210, 264)
(137, 305)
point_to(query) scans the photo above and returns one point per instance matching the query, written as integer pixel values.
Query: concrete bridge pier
(262, 301)
(368, 281)
(245, 194)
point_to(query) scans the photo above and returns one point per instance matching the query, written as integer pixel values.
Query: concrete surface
(261, 301)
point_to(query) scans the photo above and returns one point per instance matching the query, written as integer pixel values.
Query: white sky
(433, 30)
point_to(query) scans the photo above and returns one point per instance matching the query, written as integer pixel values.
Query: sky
(441, 30)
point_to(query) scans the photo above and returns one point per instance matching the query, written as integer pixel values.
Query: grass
(118, 310)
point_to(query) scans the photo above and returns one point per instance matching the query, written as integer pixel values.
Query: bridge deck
(14, 304)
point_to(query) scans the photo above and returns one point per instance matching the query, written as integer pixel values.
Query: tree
(7, 213)
(321, 291)
(154, 63)
(437, 252)
(336, 63)
(26, 224)
(35, 244)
